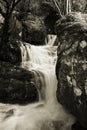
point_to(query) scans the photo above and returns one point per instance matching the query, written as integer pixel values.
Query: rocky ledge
(17, 85)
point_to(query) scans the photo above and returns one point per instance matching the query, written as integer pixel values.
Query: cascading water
(38, 54)
(47, 114)
(51, 39)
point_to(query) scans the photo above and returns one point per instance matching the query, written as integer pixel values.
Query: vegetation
(6, 9)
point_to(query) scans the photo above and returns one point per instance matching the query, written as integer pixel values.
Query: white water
(38, 54)
(47, 114)
(51, 39)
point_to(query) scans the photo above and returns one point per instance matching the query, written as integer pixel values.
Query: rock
(79, 5)
(71, 68)
(73, 25)
(34, 30)
(11, 53)
(44, 12)
(17, 85)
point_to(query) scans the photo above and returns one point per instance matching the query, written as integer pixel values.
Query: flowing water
(47, 114)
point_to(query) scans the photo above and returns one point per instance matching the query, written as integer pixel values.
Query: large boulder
(34, 30)
(17, 85)
(71, 68)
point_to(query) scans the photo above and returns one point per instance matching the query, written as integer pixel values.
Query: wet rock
(34, 30)
(17, 85)
(71, 68)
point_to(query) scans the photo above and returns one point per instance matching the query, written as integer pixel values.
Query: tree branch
(14, 3)
(57, 6)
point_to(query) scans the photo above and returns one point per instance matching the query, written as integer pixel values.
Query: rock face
(34, 30)
(71, 68)
(17, 85)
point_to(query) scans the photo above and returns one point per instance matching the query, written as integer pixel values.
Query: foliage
(6, 9)
(7, 6)
(23, 6)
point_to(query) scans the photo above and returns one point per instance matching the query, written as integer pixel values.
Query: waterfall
(38, 54)
(51, 39)
(41, 60)
(47, 114)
